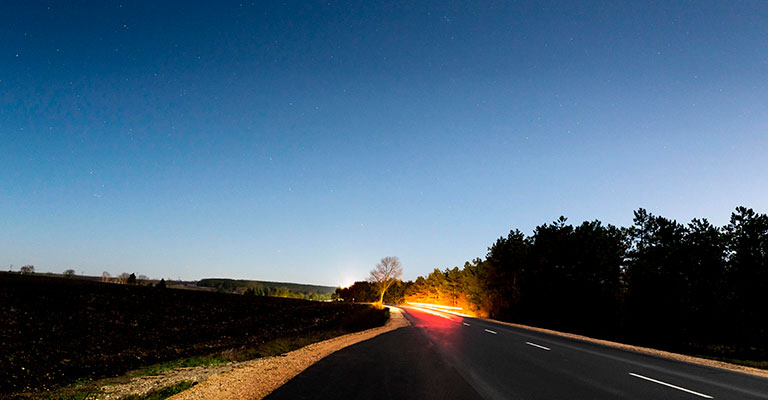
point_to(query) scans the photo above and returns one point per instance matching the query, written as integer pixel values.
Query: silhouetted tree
(656, 279)
(572, 278)
(598, 253)
(27, 269)
(507, 267)
(707, 292)
(70, 273)
(747, 246)
(547, 291)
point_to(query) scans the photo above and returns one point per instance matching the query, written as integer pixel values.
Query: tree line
(694, 287)
(282, 292)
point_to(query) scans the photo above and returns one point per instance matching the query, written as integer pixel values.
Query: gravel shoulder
(257, 378)
(143, 385)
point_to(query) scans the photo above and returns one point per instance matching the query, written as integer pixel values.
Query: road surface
(444, 356)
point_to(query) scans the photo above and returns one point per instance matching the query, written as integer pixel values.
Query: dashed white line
(490, 331)
(672, 386)
(538, 345)
(465, 324)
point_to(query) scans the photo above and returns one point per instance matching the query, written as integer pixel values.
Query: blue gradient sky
(303, 141)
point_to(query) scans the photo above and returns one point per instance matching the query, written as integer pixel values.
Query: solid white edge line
(490, 331)
(466, 324)
(670, 385)
(538, 345)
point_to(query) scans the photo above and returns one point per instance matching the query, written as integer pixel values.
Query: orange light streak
(433, 312)
(437, 309)
(438, 306)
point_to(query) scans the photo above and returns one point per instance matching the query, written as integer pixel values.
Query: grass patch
(732, 354)
(278, 346)
(158, 369)
(746, 363)
(86, 395)
(86, 389)
(285, 345)
(163, 393)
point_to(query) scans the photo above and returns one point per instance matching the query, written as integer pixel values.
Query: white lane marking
(465, 324)
(538, 345)
(490, 331)
(672, 386)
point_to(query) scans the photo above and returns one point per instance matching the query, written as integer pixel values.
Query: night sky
(304, 141)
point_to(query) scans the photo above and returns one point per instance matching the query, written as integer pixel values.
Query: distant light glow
(346, 282)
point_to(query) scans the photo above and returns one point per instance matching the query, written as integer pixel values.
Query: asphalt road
(443, 356)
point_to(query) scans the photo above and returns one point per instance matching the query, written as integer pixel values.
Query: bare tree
(123, 278)
(27, 269)
(106, 277)
(385, 274)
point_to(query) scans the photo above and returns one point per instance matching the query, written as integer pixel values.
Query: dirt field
(56, 330)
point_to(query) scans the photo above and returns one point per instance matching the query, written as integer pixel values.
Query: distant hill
(282, 289)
